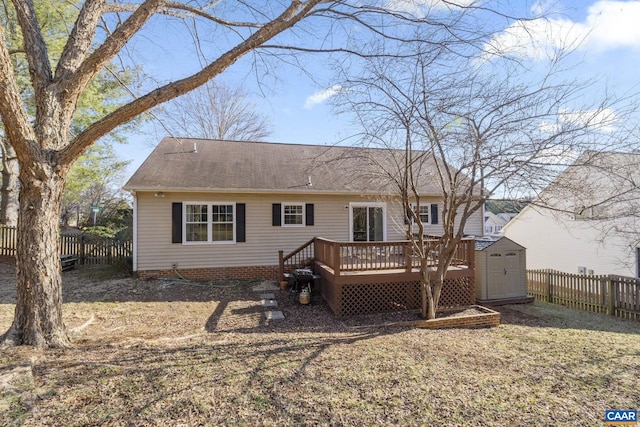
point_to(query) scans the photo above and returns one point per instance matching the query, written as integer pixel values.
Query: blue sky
(606, 35)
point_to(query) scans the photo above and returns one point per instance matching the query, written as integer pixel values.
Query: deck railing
(300, 257)
(373, 277)
(363, 256)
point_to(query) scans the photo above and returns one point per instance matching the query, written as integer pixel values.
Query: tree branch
(73, 86)
(80, 39)
(34, 46)
(289, 17)
(14, 116)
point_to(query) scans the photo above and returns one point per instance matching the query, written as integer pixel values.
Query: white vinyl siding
(263, 241)
(555, 241)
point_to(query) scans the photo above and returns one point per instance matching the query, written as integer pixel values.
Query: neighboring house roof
(598, 186)
(185, 164)
(507, 216)
(588, 217)
(493, 219)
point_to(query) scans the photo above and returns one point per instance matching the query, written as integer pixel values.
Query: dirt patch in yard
(230, 305)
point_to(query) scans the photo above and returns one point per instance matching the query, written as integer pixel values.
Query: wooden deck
(370, 277)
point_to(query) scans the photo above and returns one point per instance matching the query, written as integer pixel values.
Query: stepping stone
(269, 303)
(267, 296)
(273, 315)
(267, 285)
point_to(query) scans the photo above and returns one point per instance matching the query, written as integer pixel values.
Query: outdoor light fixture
(159, 194)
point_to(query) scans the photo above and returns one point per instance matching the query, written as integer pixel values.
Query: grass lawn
(150, 353)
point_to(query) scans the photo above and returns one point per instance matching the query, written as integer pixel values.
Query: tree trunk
(9, 189)
(431, 290)
(429, 303)
(38, 314)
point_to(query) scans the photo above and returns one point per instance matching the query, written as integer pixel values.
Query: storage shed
(501, 271)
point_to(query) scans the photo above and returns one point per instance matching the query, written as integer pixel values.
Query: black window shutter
(276, 214)
(308, 214)
(176, 222)
(241, 234)
(434, 214)
(408, 217)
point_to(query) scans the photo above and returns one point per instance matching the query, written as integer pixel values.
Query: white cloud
(535, 39)
(320, 97)
(614, 24)
(419, 8)
(603, 120)
(608, 25)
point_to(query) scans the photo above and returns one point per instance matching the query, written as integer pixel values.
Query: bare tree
(46, 148)
(478, 129)
(216, 111)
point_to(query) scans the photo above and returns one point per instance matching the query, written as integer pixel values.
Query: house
(215, 209)
(507, 216)
(585, 221)
(493, 223)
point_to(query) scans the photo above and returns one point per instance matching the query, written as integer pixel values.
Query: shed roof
(187, 164)
(485, 242)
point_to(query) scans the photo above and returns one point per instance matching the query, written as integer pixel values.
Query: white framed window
(209, 222)
(424, 213)
(293, 215)
(196, 220)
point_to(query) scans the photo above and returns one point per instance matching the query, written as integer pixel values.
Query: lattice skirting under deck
(351, 299)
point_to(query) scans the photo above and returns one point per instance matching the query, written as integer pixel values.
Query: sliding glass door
(367, 223)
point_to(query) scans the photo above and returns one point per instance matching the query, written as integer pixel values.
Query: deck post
(336, 258)
(408, 255)
(471, 253)
(280, 265)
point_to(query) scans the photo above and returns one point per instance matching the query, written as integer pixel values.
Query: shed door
(503, 275)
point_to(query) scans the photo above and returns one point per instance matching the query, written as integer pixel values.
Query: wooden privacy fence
(7, 240)
(88, 249)
(615, 295)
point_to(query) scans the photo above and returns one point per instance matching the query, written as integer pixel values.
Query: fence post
(611, 297)
(82, 254)
(549, 286)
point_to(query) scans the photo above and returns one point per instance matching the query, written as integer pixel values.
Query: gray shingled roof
(269, 167)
